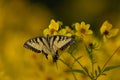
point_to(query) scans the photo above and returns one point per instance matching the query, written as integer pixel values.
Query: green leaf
(111, 68)
(76, 70)
(99, 69)
(89, 53)
(92, 75)
(96, 73)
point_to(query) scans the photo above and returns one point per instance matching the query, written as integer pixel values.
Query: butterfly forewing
(38, 44)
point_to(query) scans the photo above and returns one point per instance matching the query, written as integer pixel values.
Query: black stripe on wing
(31, 48)
(67, 44)
(55, 57)
(38, 45)
(34, 44)
(62, 42)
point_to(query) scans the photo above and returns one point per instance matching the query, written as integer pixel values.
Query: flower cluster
(55, 29)
(80, 30)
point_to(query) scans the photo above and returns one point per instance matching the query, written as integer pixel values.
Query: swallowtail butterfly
(49, 45)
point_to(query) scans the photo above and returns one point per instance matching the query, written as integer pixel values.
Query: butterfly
(49, 45)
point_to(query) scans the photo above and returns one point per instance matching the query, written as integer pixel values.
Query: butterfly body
(49, 45)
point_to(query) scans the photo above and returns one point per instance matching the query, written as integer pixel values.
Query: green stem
(93, 71)
(92, 68)
(92, 62)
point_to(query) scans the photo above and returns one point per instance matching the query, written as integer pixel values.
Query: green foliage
(99, 69)
(89, 51)
(111, 68)
(81, 33)
(96, 73)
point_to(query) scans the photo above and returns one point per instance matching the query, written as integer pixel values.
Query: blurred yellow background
(21, 20)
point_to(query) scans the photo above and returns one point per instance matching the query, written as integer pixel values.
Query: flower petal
(54, 25)
(46, 32)
(55, 33)
(114, 32)
(77, 34)
(105, 38)
(105, 26)
(77, 26)
(87, 26)
(62, 32)
(83, 23)
(69, 34)
(109, 26)
(102, 29)
(89, 32)
(67, 28)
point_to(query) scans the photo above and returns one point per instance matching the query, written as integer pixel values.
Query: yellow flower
(52, 28)
(66, 31)
(69, 30)
(82, 30)
(92, 43)
(107, 31)
(62, 32)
